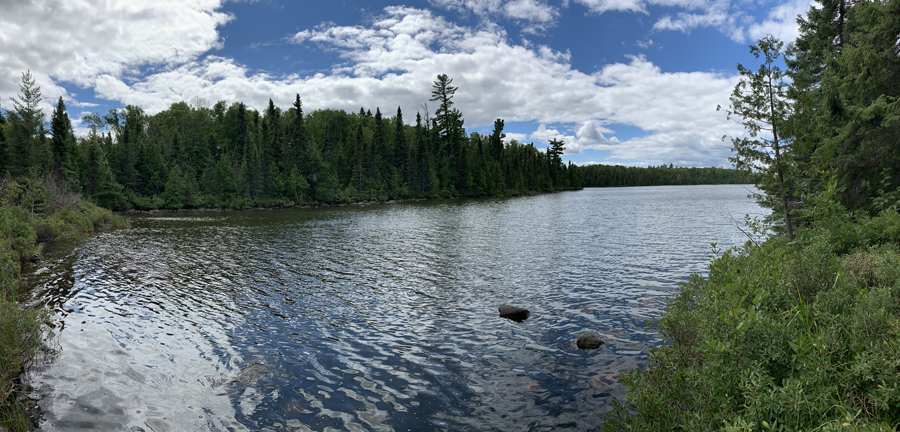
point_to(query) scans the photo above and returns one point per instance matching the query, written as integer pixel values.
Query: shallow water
(376, 318)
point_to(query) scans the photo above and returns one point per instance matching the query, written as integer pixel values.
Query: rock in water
(252, 373)
(516, 314)
(589, 340)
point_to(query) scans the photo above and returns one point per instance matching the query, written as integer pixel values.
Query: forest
(221, 155)
(616, 175)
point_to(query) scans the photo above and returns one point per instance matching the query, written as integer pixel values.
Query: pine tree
(27, 126)
(554, 159)
(442, 91)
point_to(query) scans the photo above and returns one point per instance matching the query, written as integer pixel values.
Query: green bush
(788, 336)
(20, 344)
(32, 212)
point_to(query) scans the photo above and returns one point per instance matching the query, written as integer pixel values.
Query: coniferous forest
(221, 155)
(617, 175)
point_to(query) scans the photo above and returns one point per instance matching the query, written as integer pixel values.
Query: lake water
(378, 318)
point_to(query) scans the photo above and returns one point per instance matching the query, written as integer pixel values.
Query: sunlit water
(376, 318)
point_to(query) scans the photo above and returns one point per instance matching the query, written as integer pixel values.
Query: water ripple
(380, 318)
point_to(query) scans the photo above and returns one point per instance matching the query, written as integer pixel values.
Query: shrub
(788, 336)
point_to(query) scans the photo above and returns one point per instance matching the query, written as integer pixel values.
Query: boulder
(514, 313)
(589, 340)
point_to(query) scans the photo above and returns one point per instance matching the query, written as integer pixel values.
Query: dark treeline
(616, 175)
(222, 155)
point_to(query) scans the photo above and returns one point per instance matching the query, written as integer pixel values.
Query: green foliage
(32, 211)
(234, 157)
(759, 102)
(785, 336)
(21, 343)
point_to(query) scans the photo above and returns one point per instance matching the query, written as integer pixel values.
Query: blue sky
(631, 82)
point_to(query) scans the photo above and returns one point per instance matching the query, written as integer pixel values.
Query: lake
(380, 318)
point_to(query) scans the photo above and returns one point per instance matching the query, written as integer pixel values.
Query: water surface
(378, 318)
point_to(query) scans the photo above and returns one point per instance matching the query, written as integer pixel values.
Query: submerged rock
(589, 340)
(252, 373)
(248, 374)
(514, 313)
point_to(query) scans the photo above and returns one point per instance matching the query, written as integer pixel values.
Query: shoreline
(329, 205)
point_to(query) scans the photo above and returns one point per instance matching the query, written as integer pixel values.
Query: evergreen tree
(240, 132)
(554, 159)
(401, 149)
(359, 174)
(422, 155)
(760, 102)
(380, 164)
(62, 143)
(5, 156)
(497, 139)
(442, 91)
(297, 148)
(271, 144)
(27, 126)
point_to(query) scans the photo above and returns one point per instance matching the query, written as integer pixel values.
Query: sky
(627, 82)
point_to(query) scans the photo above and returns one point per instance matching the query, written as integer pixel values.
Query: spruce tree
(297, 151)
(379, 143)
(271, 149)
(400, 148)
(497, 139)
(62, 143)
(240, 131)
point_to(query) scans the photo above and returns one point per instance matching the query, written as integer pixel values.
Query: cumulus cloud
(781, 21)
(79, 41)
(727, 17)
(408, 47)
(388, 62)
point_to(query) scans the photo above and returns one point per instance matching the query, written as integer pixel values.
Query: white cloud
(520, 137)
(389, 62)
(727, 17)
(536, 16)
(781, 21)
(601, 6)
(80, 41)
(408, 47)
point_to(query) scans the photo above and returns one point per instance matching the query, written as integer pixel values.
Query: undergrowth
(781, 336)
(33, 211)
